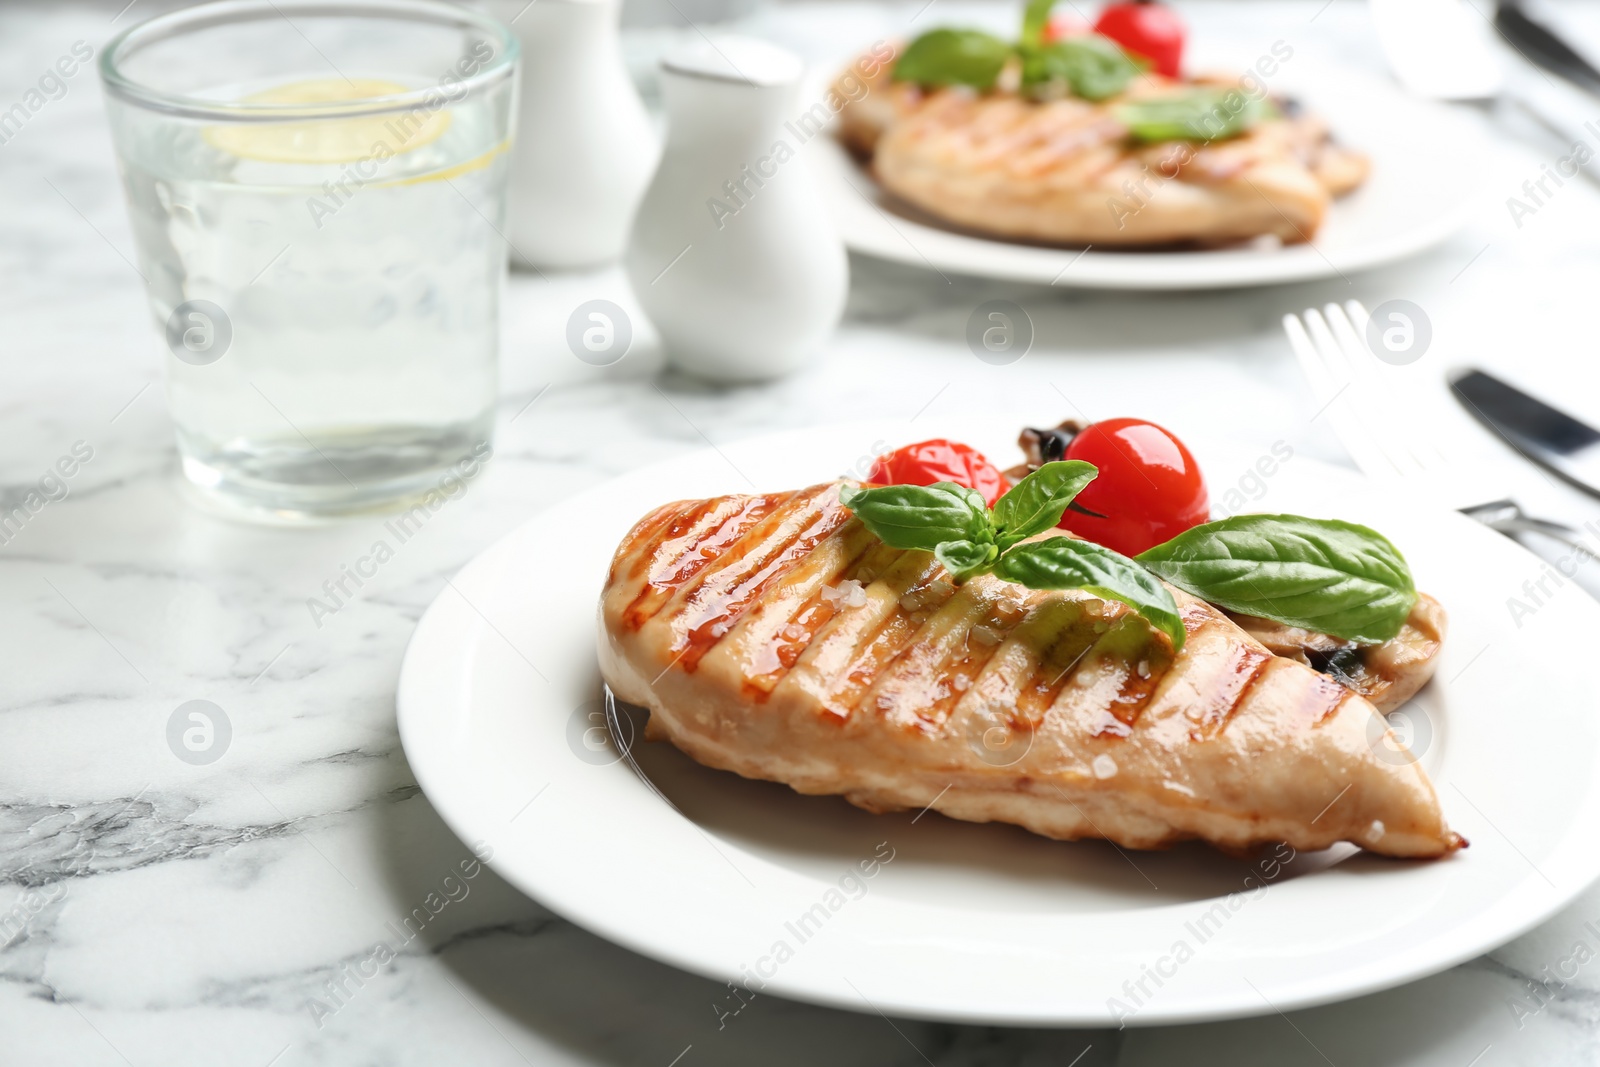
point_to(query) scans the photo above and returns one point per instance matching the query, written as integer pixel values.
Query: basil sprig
(1334, 577)
(1093, 67)
(1198, 114)
(953, 57)
(969, 539)
(1068, 563)
(1037, 502)
(921, 516)
(1035, 17)
(1089, 65)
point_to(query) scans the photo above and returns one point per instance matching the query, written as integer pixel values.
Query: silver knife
(1538, 43)
(1553, 439)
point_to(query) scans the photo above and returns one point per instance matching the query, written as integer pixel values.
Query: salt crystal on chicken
(848, 593)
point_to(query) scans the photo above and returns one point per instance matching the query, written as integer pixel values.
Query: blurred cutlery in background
(1563, 445)
(1441, 50)
(1385, 428)
(1437, 49)
(1539, 44)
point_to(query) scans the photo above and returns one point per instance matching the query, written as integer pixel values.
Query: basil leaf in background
(1207, 114)
(1093, 67)
(920, 516)
(953, 57)
(1035, 16)
(1067, 563)
(1035, 504)
(1322, 574)
(963, 559)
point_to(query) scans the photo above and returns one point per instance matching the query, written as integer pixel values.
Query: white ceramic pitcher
(585, 148)
(733, 255)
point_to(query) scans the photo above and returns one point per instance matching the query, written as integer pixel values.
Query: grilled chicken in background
(776, 637)
(1065, 172)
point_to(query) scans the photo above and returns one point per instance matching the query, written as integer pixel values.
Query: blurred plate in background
(1426, 171)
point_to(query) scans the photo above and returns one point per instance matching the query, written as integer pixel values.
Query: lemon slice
(345, 140)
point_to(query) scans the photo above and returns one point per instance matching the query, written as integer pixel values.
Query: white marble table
(154, 912)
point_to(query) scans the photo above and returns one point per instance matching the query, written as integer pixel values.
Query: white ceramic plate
(1426, 172)
(500, 717)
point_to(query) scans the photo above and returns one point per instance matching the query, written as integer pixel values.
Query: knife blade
(1563, 445)
(1540, 44)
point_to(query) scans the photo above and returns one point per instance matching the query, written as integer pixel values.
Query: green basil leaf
(973, 498)
(963, 559)
(1035, 16)
(920, 516)
(1036, 503)
(1067, 563)
(1333, 577)
(1093, 67)
(1202, 114)
(953, 57)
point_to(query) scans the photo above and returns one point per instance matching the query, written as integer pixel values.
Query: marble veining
(154, 911)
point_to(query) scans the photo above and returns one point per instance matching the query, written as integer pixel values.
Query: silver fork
(1375, 418)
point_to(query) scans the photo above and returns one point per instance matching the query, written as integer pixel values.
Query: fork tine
(1353, 389)
(1396, 397)
(1380, 399)
(1340, 326)
(1368, 394)
(1359, 316)
(1311, 365)
(1314, 347)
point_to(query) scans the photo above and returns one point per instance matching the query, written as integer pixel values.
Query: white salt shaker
(584, 148)
(733, 255)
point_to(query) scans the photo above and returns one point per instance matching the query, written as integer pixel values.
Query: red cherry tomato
(1149, 488)
(939, 460)
(1151, 30)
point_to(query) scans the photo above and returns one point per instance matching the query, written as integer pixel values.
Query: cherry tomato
(939, 460)
(1151, 30)
(1149, 488)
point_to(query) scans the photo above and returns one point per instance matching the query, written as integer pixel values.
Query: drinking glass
(317, 193)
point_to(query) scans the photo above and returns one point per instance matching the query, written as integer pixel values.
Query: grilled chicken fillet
(1066, 172)
(774, 636)
(1388, 675)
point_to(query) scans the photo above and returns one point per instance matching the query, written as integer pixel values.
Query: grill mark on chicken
(926, 590)
(774, 659)
(1067, 637)
(841, 650)
(1239, 671)
(1323, 698)
(774, 653)
(724, 536)
(927, 678)
(908, 681)
(750, 566)
(1146, 662)
(645, 533)
(649, 535)
(697, 537)
(1002, 620)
